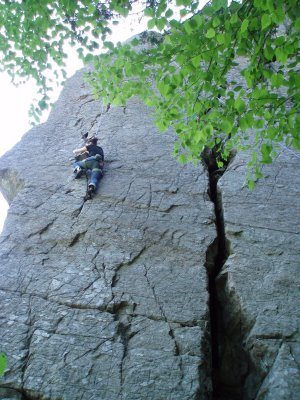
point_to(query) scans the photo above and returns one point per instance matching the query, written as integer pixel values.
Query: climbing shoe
(78, 172)
(92, 188)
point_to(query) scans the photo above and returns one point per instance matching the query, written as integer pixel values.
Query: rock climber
(90, 149)
(92, 166)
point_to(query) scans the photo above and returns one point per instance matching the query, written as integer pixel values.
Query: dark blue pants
(94, 176)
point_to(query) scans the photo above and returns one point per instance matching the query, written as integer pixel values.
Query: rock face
(258, 287)
(104, 298)
(109, 299)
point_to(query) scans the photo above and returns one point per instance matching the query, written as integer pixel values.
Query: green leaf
(3, 363)
(183, 12)
(182, 159)
(151, 24)
(198, 136)
(218, 4)
(269, 53)
(281, 55)
(169, 13)
(109, 45)
(265, 152)
(244, 25)
(121, 10)
(278, 16)
(277, 80)
(234, 19)
(216, 22)
(196, 60)
(209, 130)
(188, 27)
(251, 184)
(258, 174)
(226, 125)
(43, 105)
(161, 23)
(149, 12)
(221, 38)
(267, 115)
(199, 19)
(259, 123)
(135, 42)
(239, 104)
(296, 143)
(243, 124)
(265, 21)
(210, 33)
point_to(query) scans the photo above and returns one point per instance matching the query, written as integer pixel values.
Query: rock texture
(104, 299)
(108, 299)
(258, 287)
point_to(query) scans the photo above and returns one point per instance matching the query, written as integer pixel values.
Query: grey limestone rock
(108, 299)
(258, 287)
(104, 298)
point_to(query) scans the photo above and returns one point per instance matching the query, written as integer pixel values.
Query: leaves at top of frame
(193, 90)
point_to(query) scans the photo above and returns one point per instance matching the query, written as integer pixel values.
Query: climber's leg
(94, 179)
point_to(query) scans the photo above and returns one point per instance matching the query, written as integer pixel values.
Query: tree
(216, 73)
(33, 35)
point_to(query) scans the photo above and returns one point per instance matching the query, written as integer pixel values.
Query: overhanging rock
(104, 299)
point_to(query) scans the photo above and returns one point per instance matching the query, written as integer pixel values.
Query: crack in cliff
(123, 330)
(232, 364)
(77, 212)
(123, 316)
(216, 256)
(76, 238)
(127, 263)
(42, 230)
(18, 393)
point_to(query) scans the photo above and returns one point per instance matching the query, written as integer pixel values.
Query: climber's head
(93, 140)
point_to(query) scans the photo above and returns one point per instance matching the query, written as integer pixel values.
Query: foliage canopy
(216, 73)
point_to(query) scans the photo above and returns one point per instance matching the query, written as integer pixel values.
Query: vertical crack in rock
(216, 256)
(77, 212)
(123, 315)
(123, 331)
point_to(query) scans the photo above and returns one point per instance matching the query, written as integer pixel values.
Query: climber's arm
(77, 152)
